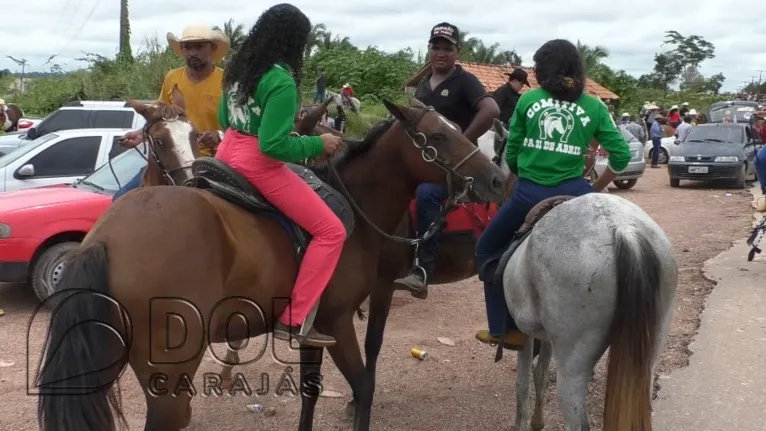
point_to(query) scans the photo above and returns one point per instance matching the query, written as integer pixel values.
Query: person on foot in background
(257, 109)
(321, 87)
(544, 171)
(684, 109)
(508, 94)
(461, 98)
(624, 119)
(196, 88)
(683, 129)
(674, 118)
(656, 132)
(636, 129)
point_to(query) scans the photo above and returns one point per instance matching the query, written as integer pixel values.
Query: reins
(430, 155)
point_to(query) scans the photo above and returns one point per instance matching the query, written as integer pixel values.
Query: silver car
(629, 177)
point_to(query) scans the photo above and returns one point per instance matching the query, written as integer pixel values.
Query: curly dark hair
(560, 70)
(279, 35)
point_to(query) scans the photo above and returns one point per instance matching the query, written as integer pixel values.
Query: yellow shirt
(200, 100)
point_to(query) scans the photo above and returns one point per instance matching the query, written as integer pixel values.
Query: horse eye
(438, 136)
(158, 142)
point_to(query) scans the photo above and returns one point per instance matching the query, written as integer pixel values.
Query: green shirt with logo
(269, 114)
(548, 138)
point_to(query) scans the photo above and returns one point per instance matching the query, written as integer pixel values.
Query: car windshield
(24, 149)
(731, 113)
(715, 134)
(125, 167)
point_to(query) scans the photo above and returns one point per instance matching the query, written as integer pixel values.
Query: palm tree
(125, 53)
(316, 36)
(236, 34)
(591, 56)
(486, 54)
(330, 42)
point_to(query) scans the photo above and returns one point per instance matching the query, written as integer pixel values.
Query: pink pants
(296, 200)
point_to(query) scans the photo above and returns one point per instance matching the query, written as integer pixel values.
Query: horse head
(306, 125)
(172, 143)
(438, 151)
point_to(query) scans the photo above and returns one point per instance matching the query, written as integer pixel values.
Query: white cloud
(37, 29)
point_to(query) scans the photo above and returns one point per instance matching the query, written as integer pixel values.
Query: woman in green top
(550, 132)
(257, 109)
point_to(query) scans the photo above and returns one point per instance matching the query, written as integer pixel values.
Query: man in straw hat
(196, 88)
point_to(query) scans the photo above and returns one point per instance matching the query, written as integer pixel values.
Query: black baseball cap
(520, 75)
(445, 30)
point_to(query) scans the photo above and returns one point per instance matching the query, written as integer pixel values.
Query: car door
(62, 161)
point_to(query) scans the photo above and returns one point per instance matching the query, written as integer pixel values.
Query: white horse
(338, 100)
(595, 272)
(492, 144)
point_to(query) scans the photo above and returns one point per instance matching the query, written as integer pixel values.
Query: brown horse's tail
(633, 334)
(85, 351)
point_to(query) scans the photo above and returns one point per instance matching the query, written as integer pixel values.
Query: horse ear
(142, 109)
(395, 110)
(415, 103)
(177, 97)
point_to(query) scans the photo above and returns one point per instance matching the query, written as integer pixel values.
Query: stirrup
(309, 322)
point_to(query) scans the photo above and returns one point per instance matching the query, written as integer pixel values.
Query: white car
(666, 149)
(60, 157)
(76, 115)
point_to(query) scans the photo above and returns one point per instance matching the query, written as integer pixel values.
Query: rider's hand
(132, 139)
(209, 139)
(331, 143)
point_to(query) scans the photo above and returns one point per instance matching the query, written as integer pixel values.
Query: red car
(39, 226)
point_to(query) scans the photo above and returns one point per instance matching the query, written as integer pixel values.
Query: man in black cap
(508, 94)
(461, 98)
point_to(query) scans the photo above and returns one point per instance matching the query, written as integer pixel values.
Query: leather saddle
(218, 178)
(492, 271)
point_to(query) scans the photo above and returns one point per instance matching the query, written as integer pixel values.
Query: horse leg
(230, 361)
(168, 390)
(575, 360)
(348, 359)
(523, 373)
(311, 368)
(542, 370)
(380, 305)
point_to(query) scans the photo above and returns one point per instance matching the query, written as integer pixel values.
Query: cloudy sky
(37, 29)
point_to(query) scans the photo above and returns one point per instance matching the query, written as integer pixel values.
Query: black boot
(416, 282)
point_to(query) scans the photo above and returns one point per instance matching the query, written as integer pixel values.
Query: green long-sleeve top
(548, 138)
(269, 115)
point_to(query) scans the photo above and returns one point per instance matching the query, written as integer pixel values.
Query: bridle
(430, 154)
(147, 137)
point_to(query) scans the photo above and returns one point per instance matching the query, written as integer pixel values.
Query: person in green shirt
(259, 102)
(550, 132)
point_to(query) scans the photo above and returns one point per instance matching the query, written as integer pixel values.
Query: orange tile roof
(493, 76)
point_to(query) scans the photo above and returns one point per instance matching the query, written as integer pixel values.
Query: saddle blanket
(466, 217)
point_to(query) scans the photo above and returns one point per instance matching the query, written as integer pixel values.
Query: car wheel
(47, 270)
(625, 184)
(675, 182)
(663, 160)
(740, 180)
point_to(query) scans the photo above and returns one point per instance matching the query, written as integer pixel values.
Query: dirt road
(458, 387)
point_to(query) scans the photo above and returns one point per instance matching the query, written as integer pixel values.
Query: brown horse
(139, 250)
(10, 114)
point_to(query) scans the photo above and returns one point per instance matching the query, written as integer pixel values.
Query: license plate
(697, 169)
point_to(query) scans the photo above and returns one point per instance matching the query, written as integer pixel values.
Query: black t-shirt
(506, 99)
(455, 98)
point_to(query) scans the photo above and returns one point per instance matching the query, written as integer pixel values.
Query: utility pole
(760, 75)
(23, 63)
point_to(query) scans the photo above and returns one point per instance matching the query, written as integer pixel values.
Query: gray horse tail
(633, 333)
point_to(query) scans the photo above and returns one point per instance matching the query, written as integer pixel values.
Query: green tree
(236, 34)
(592, 56)
(125, 51)
(316, 36)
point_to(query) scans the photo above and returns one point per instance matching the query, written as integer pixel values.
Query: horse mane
(168, 111)
(355, 148)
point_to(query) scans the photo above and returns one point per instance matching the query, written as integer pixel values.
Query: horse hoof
(350, 409)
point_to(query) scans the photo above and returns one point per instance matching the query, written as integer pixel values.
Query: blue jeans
(760, 168)
(499, 235)
(130, 185)
(656, 148)
(428, 206)
(319, 95)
